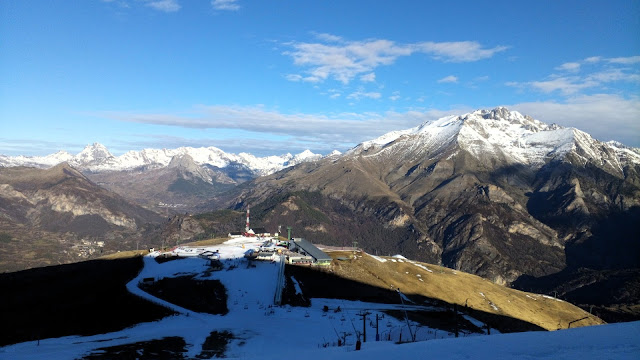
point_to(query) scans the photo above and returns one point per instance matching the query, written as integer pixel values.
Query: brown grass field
(456, 287)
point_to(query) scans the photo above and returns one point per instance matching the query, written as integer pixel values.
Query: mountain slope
(491, 192)
(56, 215)
(178, 187)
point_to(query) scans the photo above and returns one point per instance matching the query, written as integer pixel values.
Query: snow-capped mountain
(97, 158)
(480, 192)
(501, 135)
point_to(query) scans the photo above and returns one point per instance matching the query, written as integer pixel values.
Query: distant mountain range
(166, 180)
(97, 158)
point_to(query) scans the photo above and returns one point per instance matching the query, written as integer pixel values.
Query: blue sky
(270, 77)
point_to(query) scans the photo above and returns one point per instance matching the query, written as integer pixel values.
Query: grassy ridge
(456, 287)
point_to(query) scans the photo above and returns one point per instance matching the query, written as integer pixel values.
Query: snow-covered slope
(262, 330)
(502, 135)
(97, 158)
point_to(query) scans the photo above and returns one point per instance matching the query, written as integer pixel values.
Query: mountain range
(96, 158)
(491, 192)
(166, 180)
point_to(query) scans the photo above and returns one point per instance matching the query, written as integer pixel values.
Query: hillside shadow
(318, 283)
(606, 290)
(85, 298)
(614, 243)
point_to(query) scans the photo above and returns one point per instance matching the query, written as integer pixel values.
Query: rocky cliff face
(491, 192)
(60, 196)
(58, 215)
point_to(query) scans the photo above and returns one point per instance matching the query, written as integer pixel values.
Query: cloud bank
(605, 117)
(332, 57)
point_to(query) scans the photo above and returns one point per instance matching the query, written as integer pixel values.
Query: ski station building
(306, 248)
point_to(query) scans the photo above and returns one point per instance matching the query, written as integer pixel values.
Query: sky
(272, 77)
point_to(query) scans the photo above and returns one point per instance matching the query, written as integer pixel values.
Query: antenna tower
(247, 227)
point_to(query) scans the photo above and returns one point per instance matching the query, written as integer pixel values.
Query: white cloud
(294, 77)
(395, 96)
(164, 5)
(593, 59)
(566, 85)
(370, 77)
(570, 66)
(342, 60)
(328, 37)
(611, 75)
(231, 5)
(460, 51)
(333, 93)
(317, 131)
(360, 94)
(448, 79)
(625, 60)
(604, 71)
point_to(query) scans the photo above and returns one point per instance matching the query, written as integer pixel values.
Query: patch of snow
(423, 267)
(296, 285)
(551, 297)
(378, 258)
(493, 306)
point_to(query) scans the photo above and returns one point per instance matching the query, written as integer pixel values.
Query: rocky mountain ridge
(492, 192)
(55, 215)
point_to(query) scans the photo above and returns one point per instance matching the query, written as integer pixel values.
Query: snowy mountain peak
(304, 156)
(181, 161)
(498, 135)
(184, 164)
(94, 152)
(504, 115)
(97, 158)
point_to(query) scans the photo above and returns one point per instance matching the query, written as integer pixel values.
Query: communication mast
(246, 229)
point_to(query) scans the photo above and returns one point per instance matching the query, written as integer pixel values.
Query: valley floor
(255, 328)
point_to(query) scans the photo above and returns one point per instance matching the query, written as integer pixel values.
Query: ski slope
(264, 331)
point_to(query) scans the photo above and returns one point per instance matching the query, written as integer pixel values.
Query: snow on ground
(423, 267)
(296, 285)
(378, 258)
(264, 331)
